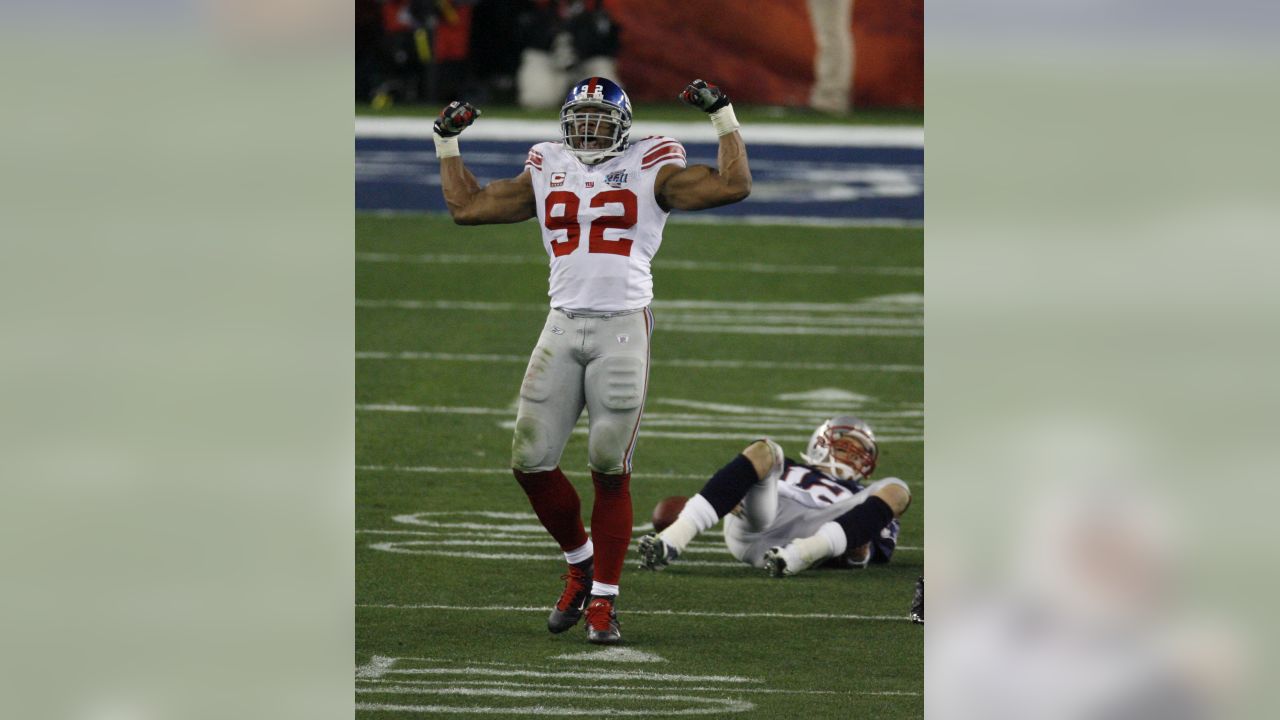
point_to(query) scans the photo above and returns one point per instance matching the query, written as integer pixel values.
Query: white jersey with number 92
(601, 224)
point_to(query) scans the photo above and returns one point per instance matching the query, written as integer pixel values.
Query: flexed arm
(501, 201)
(701, 186)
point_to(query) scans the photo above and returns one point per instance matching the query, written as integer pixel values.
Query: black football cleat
(917, 603)
(602, 621)
(568, 609)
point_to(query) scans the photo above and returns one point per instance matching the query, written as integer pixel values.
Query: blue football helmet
(595, 120)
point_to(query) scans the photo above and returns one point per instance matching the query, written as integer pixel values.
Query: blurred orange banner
(763, 52)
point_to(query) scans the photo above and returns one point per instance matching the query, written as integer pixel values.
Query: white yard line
(569, 674)
(688, 362)
(505, 471)
(498, 538)
(546, 710)
(713, 218)
(789, 330)
(748, 419)
(746, 433)
(409, 548)
(633, 688)
(630, 611)
(696, 265)
(908, 304)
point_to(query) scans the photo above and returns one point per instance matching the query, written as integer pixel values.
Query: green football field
(760, 330)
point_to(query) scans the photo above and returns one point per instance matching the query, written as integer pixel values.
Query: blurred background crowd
(827, 55)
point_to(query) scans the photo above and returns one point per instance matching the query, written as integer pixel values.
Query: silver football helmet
(843, 446)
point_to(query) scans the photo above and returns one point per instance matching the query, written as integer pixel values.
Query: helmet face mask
(845, 447)
(595, 120)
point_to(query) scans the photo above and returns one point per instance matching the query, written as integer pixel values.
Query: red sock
(556, 504)
(611, 524)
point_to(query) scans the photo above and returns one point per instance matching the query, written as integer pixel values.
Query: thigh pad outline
(620, 382)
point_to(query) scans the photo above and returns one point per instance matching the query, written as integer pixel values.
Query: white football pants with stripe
(594, 360)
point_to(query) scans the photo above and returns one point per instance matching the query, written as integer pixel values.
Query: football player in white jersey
(787, 517)
(601, 201)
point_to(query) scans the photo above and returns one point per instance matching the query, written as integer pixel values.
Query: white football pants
(599, 361)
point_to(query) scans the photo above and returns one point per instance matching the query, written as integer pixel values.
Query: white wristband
(446, 147)
(724, 121)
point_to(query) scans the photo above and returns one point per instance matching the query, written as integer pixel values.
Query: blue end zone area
(792, 184)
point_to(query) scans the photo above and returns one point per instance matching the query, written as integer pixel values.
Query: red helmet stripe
(591, 86)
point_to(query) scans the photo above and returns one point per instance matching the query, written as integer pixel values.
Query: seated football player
(785, 516)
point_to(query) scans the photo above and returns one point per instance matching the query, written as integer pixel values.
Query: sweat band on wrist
(724, 121)
(446, 147)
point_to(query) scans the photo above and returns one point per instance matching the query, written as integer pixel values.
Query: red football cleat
(602, 621)
(568, 609)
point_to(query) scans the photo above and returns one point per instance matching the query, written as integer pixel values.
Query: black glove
(455, 118)
(704, 96)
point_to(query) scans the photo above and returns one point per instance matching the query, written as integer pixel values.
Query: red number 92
(567, 219)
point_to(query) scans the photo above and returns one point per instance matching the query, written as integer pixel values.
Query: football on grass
(666, 512)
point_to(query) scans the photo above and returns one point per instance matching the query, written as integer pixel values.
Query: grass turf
(449, 457)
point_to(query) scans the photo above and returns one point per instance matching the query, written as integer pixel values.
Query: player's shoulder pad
(535, 157)
(658, 150)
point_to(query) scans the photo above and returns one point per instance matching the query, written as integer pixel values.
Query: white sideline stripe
(684, 324)
(746, 435)
(445, 537)
(718, 364)
(507, 472)
(629, 611)
(909, 136)
(529, 693)
(640, 688)
(637, 688)
(748, 267)
(911, 320)
(764, 330)
(810, 417)
(910, 304)
(545, 710)
(572, 674)
(765, 419)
